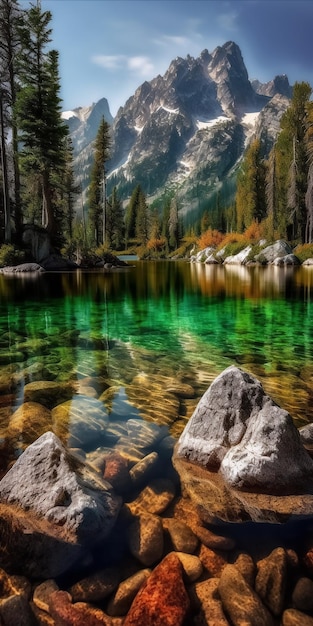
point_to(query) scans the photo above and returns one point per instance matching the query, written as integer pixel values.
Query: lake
(156, 331)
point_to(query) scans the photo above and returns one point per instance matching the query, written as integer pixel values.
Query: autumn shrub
(210, 237)
(156, 244)
(304, 251)
(254, 232)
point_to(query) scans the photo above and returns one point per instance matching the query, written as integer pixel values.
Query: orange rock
(67, 614)
(116, 472)
(163, 600)
(214, 562)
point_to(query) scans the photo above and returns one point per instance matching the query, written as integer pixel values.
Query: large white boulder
(64, 506)
(247, 445)
(238, 430)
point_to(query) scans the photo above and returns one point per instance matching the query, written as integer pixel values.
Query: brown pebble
(213, 561)
(302, 596)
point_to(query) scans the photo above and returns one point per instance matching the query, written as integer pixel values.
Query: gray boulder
(289, 259)
(239, 259)
(238, 430)
(64, 506)
(276, 250)
(306, 437)
(246, 443)
(22, 268)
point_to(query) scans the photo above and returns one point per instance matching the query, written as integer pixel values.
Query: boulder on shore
(53, 508)
(274, 251)
(240, 452)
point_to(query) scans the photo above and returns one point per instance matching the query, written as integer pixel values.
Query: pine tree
(118, 221)
(292, 146)
(165, 217)
(173, 225)
(131, 215)
(250, 196)
(10, 15)
(38, 112)
(142, 220)
(69, 191)
(270, 192)
(97, 187)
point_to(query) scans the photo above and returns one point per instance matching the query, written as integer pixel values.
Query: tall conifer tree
(10, 14)
(97, 187)
(38, 110)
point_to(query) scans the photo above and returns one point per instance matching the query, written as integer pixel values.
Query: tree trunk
(47, 201)
(6, 198)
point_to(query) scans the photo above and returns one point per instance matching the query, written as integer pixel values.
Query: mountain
(83, 124)
(186, 131)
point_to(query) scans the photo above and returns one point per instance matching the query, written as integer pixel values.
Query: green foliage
(114, 235)
(256, 249)
(97, 190)
(173, 225)
(292, 165)
(142, 220)
(235, 247)
(131, 214)
(41, 131)
(250, 197)
(186, 245)
(9, 255)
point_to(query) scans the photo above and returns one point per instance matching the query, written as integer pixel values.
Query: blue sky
(110, 47)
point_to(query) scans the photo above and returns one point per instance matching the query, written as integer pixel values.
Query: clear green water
(163, 321)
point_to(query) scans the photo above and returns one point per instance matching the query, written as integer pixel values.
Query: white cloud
(177, 40)
(139, 64)
(109, 62)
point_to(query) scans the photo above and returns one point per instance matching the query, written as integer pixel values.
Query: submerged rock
(250, 452)
(59, 507)
(163, 599)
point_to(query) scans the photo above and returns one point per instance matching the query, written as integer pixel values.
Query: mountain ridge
(185, 132)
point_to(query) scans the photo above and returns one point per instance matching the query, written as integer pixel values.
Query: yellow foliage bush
(210, 237)
(232, 238)
(254, 232)
(304, 251)
(156, 244)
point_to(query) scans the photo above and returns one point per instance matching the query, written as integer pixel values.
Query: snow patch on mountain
(66, 115)
(201, 124)
(249, 119)
(173, 111)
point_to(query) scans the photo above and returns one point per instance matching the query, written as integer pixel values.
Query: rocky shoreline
(109, 541)
(279, 254)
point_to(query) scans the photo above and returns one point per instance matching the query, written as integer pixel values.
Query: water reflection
(139, 333)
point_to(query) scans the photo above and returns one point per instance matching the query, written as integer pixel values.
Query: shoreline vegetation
(261, 253)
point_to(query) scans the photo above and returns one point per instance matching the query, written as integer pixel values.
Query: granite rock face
(249, 448)
(274, 251)
(67, 506)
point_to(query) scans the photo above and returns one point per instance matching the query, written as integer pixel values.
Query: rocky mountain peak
(279, 84)
(186, 131)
